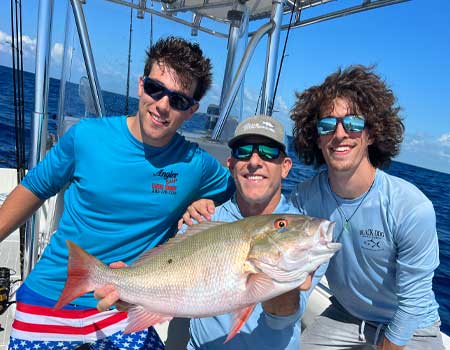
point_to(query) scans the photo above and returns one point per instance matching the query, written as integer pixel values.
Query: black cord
(18, 95)
(283, 56)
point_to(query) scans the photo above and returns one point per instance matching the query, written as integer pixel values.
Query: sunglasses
(177, 100)
(244, 152)
(351, 123)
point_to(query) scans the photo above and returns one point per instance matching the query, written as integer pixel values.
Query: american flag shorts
(42, 327)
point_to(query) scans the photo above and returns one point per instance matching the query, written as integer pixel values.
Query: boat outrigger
(21, 251)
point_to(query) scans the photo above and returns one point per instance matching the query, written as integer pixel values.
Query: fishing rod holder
(5, 287)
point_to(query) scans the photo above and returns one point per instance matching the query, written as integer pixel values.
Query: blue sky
(409, 43)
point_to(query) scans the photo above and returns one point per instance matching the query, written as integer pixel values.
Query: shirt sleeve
(217, 182)
(417, 258)
(51, 174)
(281, 322)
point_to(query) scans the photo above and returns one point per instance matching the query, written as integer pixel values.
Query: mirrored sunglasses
(177, 100)
(351, 123)
(265, 152)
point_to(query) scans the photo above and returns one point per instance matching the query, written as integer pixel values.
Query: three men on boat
(119, 204)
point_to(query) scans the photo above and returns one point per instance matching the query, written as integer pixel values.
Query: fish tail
(81, 266)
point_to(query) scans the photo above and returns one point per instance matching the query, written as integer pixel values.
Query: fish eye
(280, 223)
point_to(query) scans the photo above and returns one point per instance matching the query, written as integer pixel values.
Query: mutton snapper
(213, 268)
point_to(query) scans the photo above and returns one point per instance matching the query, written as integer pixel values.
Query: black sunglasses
(351, 123)
(265, 152)
(177, 100)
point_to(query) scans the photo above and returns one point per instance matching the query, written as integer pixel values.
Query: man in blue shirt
(129, 180)
(258, 164)
(381, 279)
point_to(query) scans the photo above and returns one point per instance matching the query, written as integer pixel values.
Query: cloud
(444, 140)
(427, 151)
(28, 44)
(57, 53)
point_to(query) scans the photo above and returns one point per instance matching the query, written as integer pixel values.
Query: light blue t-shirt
(123, 198)
(262, 330)
(384, 270)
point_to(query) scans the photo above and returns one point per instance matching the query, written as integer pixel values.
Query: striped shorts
(42, 327)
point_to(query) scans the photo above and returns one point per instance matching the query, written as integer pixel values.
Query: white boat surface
(235, 13)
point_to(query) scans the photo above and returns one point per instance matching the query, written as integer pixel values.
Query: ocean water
(435, 185)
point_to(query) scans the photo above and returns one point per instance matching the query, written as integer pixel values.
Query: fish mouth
(326, 244)
(326, 232)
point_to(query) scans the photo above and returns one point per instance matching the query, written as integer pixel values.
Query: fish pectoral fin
(239, 319)
(258, 285)
(140, 319)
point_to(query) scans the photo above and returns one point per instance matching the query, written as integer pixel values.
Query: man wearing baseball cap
(258, 163)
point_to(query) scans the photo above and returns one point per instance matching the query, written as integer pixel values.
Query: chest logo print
(372, 239)
(165, 182)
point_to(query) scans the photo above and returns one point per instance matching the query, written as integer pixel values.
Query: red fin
(140, 319)
(240, 317)
(79, 270)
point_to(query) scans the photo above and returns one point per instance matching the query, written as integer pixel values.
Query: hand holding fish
(108, 294)
(199, 210)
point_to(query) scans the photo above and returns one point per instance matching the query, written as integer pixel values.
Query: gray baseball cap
(261, 125)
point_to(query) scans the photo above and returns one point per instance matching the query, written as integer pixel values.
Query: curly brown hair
(186, 59)
(368, 95)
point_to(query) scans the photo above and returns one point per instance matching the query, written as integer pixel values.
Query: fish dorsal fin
(190, 231)
(239, 318)
(140, 319)
(203, 226)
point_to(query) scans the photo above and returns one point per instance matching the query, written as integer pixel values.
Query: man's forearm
(18, 206)
(386, 344)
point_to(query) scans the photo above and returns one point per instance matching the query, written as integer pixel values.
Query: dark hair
(368, 95)
(186, 59)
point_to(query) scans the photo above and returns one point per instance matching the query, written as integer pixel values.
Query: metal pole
(238, 78)
(233, 39)
(273, 42)
(65, 71)
(39, 122)
(88, 57)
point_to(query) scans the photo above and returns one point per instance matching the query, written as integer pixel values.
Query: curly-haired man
(381, 279)
(130, 178)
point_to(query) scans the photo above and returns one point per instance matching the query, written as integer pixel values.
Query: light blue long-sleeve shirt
(384, 270)
(123, 198)
(262, 330)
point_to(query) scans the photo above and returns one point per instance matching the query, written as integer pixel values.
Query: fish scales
(214, 268)
(202, 268)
